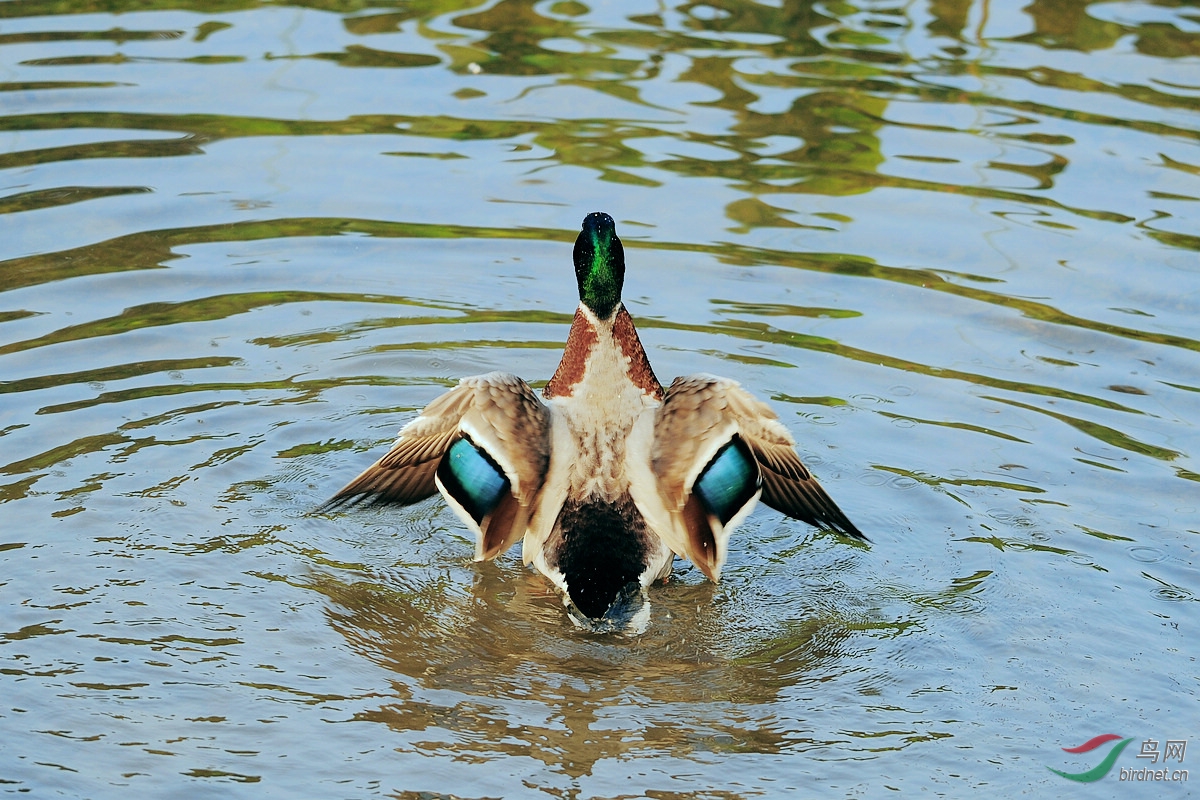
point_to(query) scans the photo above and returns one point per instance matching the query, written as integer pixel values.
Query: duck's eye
(728, 481)
(473, 478)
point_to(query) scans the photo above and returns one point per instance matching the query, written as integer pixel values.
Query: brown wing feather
(701, 545)
(401, 477)
(503, 527)
(788, 486)
(702, 402)
(791, 488)
(404, 475)
(508, 421)
(690, 426)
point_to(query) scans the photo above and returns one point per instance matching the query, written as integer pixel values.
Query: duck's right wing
(485, 444)
(716, 449)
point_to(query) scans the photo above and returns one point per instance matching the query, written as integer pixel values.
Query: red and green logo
(1100, 770)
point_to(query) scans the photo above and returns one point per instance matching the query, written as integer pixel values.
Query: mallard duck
(607, 476)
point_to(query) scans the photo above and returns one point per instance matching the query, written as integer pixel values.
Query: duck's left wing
(716, 450)
(485, 444)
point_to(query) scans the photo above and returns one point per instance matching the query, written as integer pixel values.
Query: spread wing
(716, 449)
(485, 444)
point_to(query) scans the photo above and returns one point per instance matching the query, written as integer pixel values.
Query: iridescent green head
(599, 264)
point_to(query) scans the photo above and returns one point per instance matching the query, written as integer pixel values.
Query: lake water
(954, 244)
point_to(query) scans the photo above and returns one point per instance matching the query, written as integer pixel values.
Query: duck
(607, 476)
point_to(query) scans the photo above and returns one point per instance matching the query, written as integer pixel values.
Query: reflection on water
(504, 676)
(241, 243)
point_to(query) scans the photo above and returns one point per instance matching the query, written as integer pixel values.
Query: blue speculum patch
(473, 478)
(728, 481)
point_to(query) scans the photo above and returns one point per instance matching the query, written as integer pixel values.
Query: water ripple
(953, 243)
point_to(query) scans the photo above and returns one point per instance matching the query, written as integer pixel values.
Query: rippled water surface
(954, 243)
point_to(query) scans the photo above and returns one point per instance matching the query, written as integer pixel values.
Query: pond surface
(954, 244)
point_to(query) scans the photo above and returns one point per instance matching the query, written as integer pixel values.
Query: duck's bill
(628, 614)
